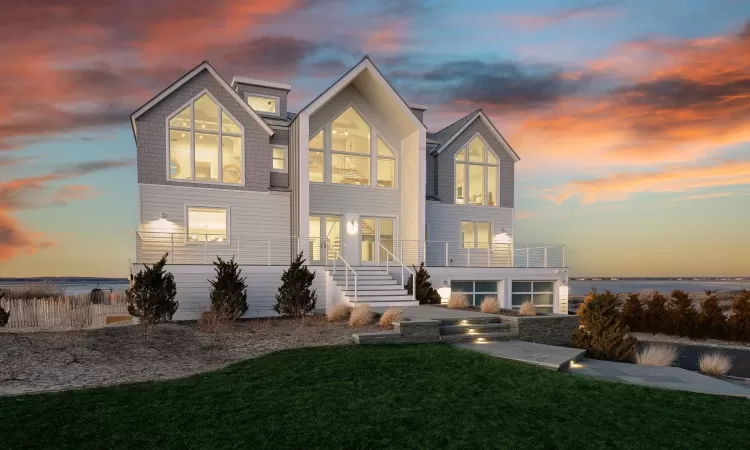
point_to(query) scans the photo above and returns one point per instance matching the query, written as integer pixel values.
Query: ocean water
(74, 288)
(626, 286)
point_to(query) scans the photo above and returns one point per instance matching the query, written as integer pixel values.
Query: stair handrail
(403, 266)
(347, 268)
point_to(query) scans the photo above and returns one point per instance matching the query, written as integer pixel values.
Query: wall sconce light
(351, 227)
(445, 291)
(502, 238)
(164, 216)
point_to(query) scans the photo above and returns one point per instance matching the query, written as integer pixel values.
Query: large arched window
(476, 174)
(205, 143)
(353, 152)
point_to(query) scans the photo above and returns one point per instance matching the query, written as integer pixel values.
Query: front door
(377, 234)
(324, 230)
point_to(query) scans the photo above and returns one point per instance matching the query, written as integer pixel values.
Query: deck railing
(204, 248)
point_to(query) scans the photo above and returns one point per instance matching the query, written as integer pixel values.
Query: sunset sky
(631, 118)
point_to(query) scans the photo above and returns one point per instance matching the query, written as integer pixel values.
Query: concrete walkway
(547, 356)
(424, 312)
(660, 377)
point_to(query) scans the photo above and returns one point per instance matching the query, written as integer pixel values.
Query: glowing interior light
(481, 341)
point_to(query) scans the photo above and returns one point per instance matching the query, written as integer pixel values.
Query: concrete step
(385, 304)
(474, 328)
(364, 276)
(392, 284)
(368, 290)
(472, 321)
(373, 287)
(376, 298)
(480, 337)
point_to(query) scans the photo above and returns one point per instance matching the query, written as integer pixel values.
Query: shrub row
(678, 315)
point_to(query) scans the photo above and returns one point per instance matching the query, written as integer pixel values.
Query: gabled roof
(364, 64)
(452, 131)
(184, 79)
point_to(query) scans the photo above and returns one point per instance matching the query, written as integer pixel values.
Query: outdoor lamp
(445, 291)
(351, 227)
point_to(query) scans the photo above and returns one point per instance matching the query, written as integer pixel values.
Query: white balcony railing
(203, 249)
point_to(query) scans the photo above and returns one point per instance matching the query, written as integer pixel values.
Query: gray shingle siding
(151, 142)
(446, 169)
(430, 167)
(244, 89)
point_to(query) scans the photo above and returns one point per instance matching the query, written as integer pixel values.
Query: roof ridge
(458, 120)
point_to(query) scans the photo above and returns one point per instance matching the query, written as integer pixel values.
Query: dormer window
(476, 174)
(264, 104)
(205, 143)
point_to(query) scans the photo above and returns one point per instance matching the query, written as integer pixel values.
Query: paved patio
(547, 356)
(660, 377)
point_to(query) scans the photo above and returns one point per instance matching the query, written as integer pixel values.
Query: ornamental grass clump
(601, 332)
(527, 309)
(489, 305)
(714, 364)
(338, 312)
(389, 316)
(360, 315)
(657, 355)
(458, 300)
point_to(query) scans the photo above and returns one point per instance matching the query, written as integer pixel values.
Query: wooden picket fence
(62, 313)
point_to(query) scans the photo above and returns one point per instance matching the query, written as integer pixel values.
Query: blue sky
(631, 118)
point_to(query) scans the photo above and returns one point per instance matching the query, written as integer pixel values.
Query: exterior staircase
(375, 287)
(477, 330)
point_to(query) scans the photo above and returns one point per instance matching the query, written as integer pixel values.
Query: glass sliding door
(377, 235)
(333, 236)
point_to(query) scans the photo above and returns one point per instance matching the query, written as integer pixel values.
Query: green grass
(426, 396)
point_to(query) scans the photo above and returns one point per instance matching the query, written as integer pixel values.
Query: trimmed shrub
(527, 309)
(338, 312)
(601, 332)
(360, 316)
(586, 300)
(739, 321)
(389, 316)
(458, 300)
(632, 312)
(711, 319)
(4, 317)
(683, 318)
(151, 299)
(656, 313)
(295, 298)
(489, 305)
(426, 294)
(714, 364)
(657, 355)
(228, 290)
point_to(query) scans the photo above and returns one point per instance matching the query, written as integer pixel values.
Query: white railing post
(489, 250)
(545, 256)
(527, 256)
(468, 257)
(446, 254)
(269, 251)
(355, 285)
(346, 281)
(171, 247)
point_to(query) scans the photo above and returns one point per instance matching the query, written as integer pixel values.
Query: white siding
(444, 225)
(263, 283)
(255, 217)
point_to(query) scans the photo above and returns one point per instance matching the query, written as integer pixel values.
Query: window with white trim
(476, 234)
(316, 163)
(476, 174)
(475, 291)
(207, 224)
(278, 158)
(263, 104)
(540, 293)
(205, 143)
(385, 172)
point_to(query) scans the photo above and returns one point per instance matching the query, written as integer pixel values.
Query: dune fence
(61, 313)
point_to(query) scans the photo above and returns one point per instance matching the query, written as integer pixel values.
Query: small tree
(425, 294)
(228, 290)
(683, 318)
(295, 298)
(590, 296)
(632, 312)
(601, 331)
(711, 319)
(656, 314)
(739, 321)
(151, 299)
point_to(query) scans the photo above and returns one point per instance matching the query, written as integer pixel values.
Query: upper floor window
(347, 144)
(264, 104)
(278, 158)
(476, 234)
(205, 144)
(207, 224)
(476, 174)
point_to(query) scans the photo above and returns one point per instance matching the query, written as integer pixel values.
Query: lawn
(425, 396)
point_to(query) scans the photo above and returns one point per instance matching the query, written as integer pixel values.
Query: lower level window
(540, 293)
(475, 291)
(476, 234)
(207, 224)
